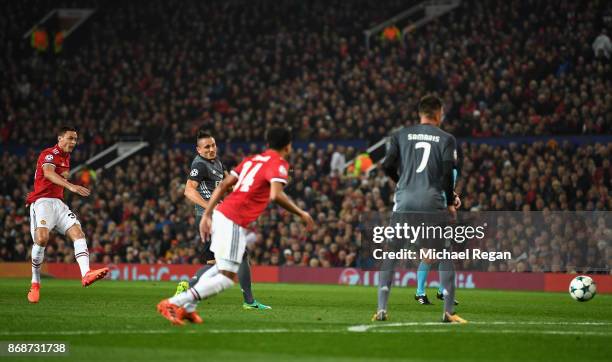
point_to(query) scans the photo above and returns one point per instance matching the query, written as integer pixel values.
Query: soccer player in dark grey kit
(420, 160)
(206, 174)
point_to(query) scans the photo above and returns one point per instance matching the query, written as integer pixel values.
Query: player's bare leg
(81, 254)
(41, 237)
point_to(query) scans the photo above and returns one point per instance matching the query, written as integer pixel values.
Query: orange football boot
(193, 317)
(34, 293)
(171, 312)
(93, 275)
(453, 318)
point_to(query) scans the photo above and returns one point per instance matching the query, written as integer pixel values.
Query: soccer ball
(582, 288)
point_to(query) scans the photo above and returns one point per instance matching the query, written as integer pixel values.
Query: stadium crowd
(137, 212)
(160, 71)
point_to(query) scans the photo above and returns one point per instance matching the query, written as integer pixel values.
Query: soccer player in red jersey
(49, 212)
(256, 181)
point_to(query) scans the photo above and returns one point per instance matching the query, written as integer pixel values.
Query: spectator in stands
(526, 70)
(338, 162)
(602, 46)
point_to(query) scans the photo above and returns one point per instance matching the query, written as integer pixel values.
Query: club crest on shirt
(43, 222)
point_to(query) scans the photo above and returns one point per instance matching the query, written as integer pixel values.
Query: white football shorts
(52, 214)
(228, 242)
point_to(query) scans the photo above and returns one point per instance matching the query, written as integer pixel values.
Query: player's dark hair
(203, 134)
(65, 129)
(278, 137)
(429, 105)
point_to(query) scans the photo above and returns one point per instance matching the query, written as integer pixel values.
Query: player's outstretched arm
(192, 194)
(51, 175)
(280, 197)
(206, 222)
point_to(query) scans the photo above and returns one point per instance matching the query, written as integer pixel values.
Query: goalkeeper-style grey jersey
(208, 174)
(418, 153)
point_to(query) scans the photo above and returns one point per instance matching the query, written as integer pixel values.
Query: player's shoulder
(276, 157)
(200, 163)
(50, 150)
(444, 133)
(49, 154)
(266, 156)
(445, 136)
(248, 158)
(432, 130)
(399, 131)
(281, 165)
(198, 167)
(197, 159)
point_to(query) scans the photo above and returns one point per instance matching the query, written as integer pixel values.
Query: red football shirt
(252, 191)
(43, 187)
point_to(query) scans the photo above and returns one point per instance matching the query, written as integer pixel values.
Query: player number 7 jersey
(252, 191)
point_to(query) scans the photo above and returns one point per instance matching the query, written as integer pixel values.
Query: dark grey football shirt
(208, 174)
(418, 153)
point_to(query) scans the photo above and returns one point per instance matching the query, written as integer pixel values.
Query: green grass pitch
(117, 321)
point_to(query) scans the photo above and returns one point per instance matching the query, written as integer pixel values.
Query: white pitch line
(175, 330)
(367, 327)
(375, 328)
(499, 331)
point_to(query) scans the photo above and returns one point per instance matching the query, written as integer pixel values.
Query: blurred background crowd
(137, 212)
(159, 71)
(503, 68)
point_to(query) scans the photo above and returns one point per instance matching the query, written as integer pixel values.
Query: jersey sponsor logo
(49, 158)
(194, 172)
(282, 170)
(423, 137)
(216, 173)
